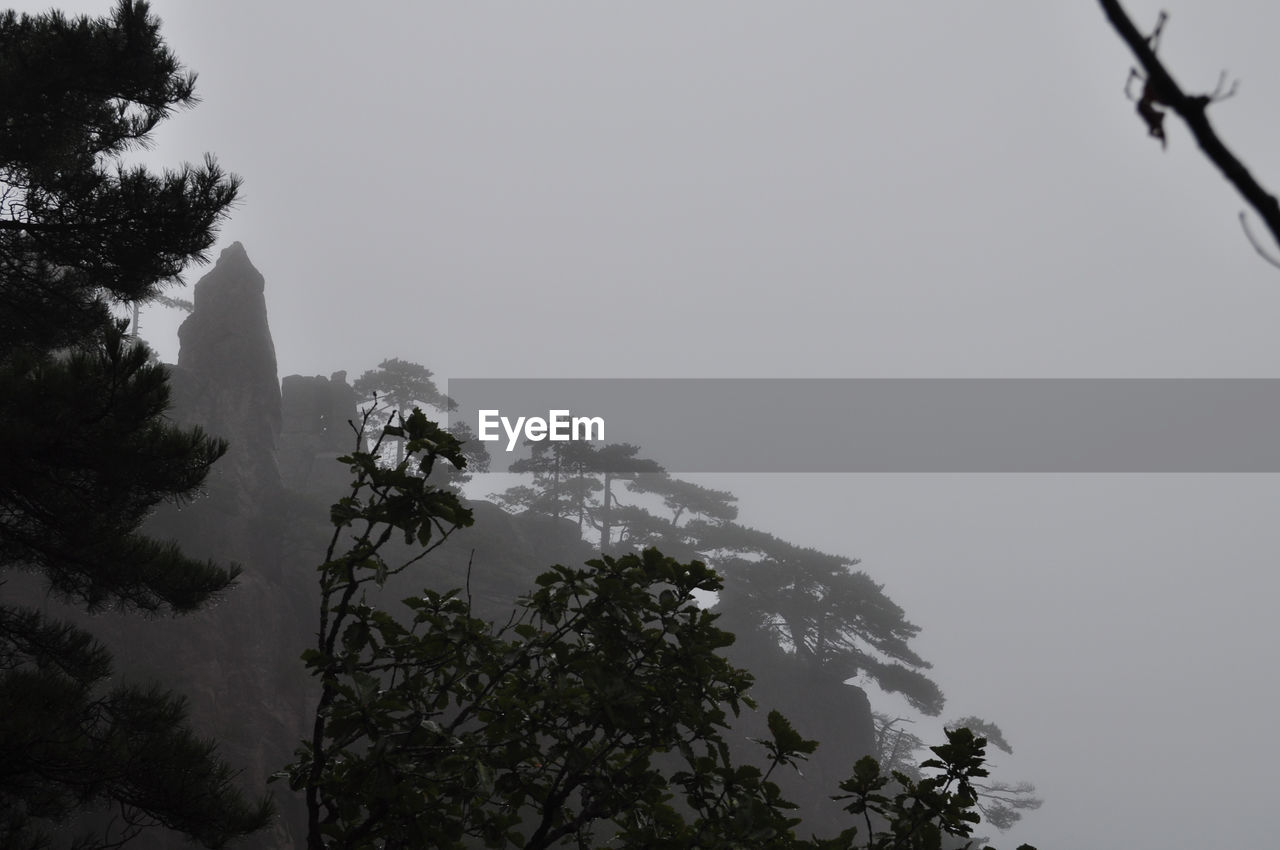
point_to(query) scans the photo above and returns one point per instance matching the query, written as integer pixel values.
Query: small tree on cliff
(568, 476)
(691, 506)
(828, 614)
(396, 387)
(85, 450)
(617, 462)
(563, 483)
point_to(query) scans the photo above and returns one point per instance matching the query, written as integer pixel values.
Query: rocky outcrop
(320, 408)
(226, 381)
(316, 415)
(236, 661)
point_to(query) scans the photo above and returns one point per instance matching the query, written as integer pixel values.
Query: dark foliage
(596, 713)
(87, 452)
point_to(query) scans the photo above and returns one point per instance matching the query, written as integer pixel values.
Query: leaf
(786, 739)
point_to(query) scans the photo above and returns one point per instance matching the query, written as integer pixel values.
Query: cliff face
(316, 431)
(266, 507)
(821, 707)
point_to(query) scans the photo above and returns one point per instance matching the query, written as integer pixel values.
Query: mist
(760, 190)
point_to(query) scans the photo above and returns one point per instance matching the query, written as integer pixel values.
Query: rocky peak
(226, 376)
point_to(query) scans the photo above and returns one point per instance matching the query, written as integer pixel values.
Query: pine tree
(85, 449)
(395, 388)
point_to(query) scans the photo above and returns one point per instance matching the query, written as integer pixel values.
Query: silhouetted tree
(85, 449)
(544, 494)
(616, 461)
(688, 503)
(473, 452)
(831, 616)
(1000, 803)
(577, 477)
(564, 480)
(896, 747)
(395, 388)
(687, 500)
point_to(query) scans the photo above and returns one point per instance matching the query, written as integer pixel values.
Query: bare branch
(1192, 109)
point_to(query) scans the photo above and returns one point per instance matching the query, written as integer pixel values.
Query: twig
(470, 558)
(1244, 223)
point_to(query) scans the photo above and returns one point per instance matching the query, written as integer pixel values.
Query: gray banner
(926, 425)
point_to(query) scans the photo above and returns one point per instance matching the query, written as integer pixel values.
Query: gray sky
(856, 189)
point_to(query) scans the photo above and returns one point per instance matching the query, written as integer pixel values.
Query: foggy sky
(857, 189)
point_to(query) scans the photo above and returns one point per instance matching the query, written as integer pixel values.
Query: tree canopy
(87, 451)
(595, 715)
(826, 612)
(394, 389)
